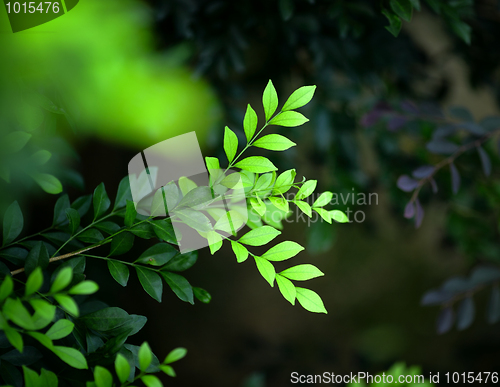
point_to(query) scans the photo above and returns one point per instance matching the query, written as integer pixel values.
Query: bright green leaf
(15, 311)
(306, 190)
(269, 100)
(258, 205)
(145, 356)
(288, 119)
(266, 269)
(274, 142)
(283, 251)
(280, 203)
(186, 185)
(122, 368)
(84, 287)
(6, 288)
(71, 356)
(175, 355)
(60, 329)
(250, 123)
(323, 199)
(284, 181)
(14, 338)
(62, 280)
(230, 144)
(339, 216)
(34, 282)
(256, 164)
(240, 251)
(67, 303)
(151, 381)
(324, 214)
(102, 377)
(304, 207)
(48, 183)
(168, 370)
(286, 288)
(302, 272)
(260, 236)
(310, 300)
(299, 98)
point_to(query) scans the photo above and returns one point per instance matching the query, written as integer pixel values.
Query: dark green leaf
(181, 262)
(60, 210)
(179, 285)
(101, 201)
(123, 194)
(13, 222)
(143, 230)
(90, 236)
(29, 356)
(15, 141)
(106, 319)
(157, 255)
(151, 282)
(121, 243)
(108, 227)
(395, 23)
(202, 295)
(82, 204)
(74, 219)
(15, 255)
(119, 272)
(402, 8)
(164, 230)
(38, 256)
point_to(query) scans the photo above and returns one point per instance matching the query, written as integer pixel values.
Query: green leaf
(299, 98)
(15, 255)
(306, 190)
(181, 262)
(102, 377)
(240, 251)
(48, 183)
(84, 287)
(304, 207)
(288, 119)
(283, 251)
(284, 182)
(62, 280)
(151, 282)
(212, 163)
(202, 295)
(230, 222)
(13, 222)
(280, 203)
(402, 8)
(274, 142)
(48, 378)
(119, 272)
(60, 210)
(71, 356)
(30, 377)
(40, 157)
(6, 288)
(310, 300)
(151, 381)
(259, 236)
(123, 194)
(15, 141)
(130, 214)
(395, 23)
(263, 182)
(101, 201)
(82, 204)
(250, 123)
(121, 243)
(67, 303)
(42, 339)
(168, 370)
(339, 216)
(462, 29)
(230, 144)
(143, 230)
(194, 219)
(164, 230)
(179, 285)
(145, 356)
(90, 236)
(105, 319)
(14, 338)
(15, 311)
(34, 282)
(214, 241)
(257, 164)
(258, 205)
(43, 309)
(175, 355)
(286, 288)
(74, 219)
(60, 329)
(197, 198)
(122, 368)
(323, 199)
(266, 269)
(157, 255)
(324, 214)
(302, 272)
(186, 185)
(38, 256)
(269, 100)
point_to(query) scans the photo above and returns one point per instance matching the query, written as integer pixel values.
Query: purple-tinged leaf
(465, 313)
(490, 123)
(473, 128)
(435, 297)
(409, 107)
(445, 320)
(455, 178)
(409, 210)
(419, 214)
(434, 185)
(444, 131)
(493, 313)
(406, 183)
(461, 113)
(442, 147)
(396, 122)
(423, 172)
(485, 160)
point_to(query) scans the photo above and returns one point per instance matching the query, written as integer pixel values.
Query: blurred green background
(110, 78)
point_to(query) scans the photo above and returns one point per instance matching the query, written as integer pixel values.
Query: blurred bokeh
(111, 78)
